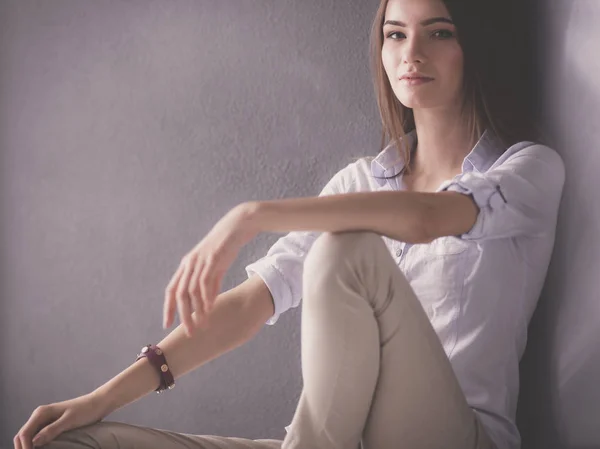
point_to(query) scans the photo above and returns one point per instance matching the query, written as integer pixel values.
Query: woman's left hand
(197, 281)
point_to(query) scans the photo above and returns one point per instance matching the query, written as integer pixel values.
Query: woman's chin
(419, 101)
(415, 103)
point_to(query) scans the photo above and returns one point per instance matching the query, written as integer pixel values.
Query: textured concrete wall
(128, 128)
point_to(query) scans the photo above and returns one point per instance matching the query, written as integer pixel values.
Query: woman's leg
(374, 369)
(115, 435)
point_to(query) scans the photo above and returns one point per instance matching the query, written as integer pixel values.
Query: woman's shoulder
(525, 151)
(358, 168)
(355, 175)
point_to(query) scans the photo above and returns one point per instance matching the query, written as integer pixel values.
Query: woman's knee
(363, 251)
(332, 247)
(332, 252)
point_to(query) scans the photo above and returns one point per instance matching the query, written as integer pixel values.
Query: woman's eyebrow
(423, 23)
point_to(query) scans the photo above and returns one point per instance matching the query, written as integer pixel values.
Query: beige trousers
(374, 371)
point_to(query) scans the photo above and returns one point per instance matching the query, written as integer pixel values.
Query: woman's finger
(40, 416)
(184, 309)
(170, 299)
(205, 277)
(215, 288)
(50, 432)
(183, 298)
(194, 287)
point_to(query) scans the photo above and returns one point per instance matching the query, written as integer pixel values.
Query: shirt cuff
(486, 194)
(276, 284)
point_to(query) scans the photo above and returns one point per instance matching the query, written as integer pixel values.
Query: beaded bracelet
(157, 359)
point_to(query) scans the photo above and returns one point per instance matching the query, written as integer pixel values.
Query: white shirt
(479, 289)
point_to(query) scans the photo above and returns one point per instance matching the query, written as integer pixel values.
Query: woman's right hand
(49, 421)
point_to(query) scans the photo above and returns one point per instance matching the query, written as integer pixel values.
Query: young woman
(419, 268)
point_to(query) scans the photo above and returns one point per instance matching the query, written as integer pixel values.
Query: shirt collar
(488, 148)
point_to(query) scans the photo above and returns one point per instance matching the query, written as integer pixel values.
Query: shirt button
(399, 252)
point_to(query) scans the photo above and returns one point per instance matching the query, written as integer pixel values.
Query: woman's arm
(399, 215)
(238, 314)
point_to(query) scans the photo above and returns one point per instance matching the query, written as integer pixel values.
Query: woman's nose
(413, 51)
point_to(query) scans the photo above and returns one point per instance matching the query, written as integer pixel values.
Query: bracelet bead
(157, 359)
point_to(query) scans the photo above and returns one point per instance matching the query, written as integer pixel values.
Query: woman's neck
(443, 141)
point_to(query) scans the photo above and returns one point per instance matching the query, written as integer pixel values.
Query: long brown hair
(498, 92)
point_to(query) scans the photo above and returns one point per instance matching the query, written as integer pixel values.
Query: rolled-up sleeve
(518, 195)
(282, 267)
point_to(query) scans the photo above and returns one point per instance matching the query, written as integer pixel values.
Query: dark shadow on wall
(504, 42)
(552, 401)
(536, 398)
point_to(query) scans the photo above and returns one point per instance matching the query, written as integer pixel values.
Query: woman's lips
(415, 81)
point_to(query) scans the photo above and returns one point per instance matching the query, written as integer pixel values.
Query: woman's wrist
(137, 380)
(102, 401)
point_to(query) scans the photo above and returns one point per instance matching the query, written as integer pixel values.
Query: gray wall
(127, 129)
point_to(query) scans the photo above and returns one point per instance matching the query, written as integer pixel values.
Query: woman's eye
(446, 34)
(442, 34)
(392, 33)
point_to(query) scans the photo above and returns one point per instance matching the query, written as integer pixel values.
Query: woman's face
(424, 41)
